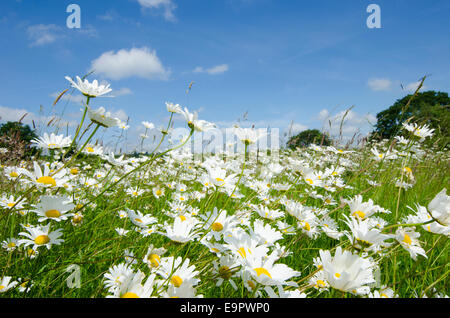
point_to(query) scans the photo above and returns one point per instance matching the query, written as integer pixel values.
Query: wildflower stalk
(79, 151)
(151, 160)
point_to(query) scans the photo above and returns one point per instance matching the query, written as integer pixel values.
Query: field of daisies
(79, 221)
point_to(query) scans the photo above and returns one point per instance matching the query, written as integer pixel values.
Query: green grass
(95, 245)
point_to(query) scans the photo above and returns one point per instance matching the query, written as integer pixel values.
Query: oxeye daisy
(54, 208)
(13, 173)
(93, 150)
(158, 192)
(284, 293)
(89, 89)
(218, 224)
(267, 234)
(408, 240)
(101, 117)
(178, 272)
(132, 287)
(153, 256)
(6, 284)
(116, 276)
(439, 208)
(226, 268)
(173, 108)
(267, 213)
(52, 141)
(40, 236)
(10, 244)
(265, 272)
(47, 178)
(360, 209)
(182, 230)
(141, 220)
(347, 272)
(364, 236)
(195, 123)
(11, 202)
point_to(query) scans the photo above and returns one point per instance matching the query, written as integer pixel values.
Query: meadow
(78, 221)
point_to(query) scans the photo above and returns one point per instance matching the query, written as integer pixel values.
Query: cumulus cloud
(218, 69)
(167, 5)
(121, 92)
(41, 34)
(76, 99)
(15, 114)
(412, 87)
(380, 84)
(352, 123)
(136, 62)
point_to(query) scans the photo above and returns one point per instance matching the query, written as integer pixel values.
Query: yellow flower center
(407, 239)
(52, 145)
(337, 275)
(217, 227)
(407, 169)
(260, 270)
(320, 283)
(13, 174)
(224, 272)
(42, 239)
(11, 244)
(47, 180)
(251, 284)
(77, 219)
(11, 204)
(90, 149)
(129, 295)
(154, 260)
(307, 226)
(176, 281)
(360, 214)
(309, 181)
(52, 214)
(182, 217)
(158, 192)
(1, 287)
(384, 295)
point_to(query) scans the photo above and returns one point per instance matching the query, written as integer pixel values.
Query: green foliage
(307, 137)
(16, 137)
(428, 108)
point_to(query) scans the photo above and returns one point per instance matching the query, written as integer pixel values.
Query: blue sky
(281, 61)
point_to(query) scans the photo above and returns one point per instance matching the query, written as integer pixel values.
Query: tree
(428, 108)
(16, 137)
(307, 137)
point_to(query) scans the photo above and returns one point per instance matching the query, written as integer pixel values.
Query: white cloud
(412, 87)
(137, 62)
(296, 128)
(41, 34)
(77, 99)
(380, 84)
(353, 123)
(119, 114)
(218, 69)
(167, 5)
(121, 92)
(15, 114)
